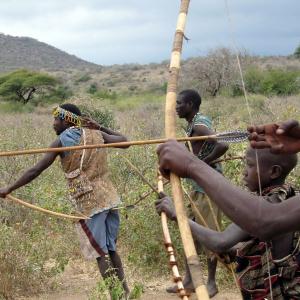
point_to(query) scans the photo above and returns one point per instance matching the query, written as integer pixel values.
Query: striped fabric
(207, 146)
(254, 256)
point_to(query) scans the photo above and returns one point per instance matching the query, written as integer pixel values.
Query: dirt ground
(79, 278)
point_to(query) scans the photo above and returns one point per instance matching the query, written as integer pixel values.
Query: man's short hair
(191, 96)
(71, 108)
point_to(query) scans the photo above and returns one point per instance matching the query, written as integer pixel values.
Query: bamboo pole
(111, 145)
(43, 210)
(170, 131)
(169, 247)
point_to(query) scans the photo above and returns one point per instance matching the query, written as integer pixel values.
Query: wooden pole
(112, 145)
(169, 247)
(170, 131)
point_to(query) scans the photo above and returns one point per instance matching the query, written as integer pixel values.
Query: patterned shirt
(207, 146)
(255, 262)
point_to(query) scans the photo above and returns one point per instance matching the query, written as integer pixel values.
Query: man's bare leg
(211, 280)
(119, 271)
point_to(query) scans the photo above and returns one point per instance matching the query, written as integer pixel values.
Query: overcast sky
(141, 31)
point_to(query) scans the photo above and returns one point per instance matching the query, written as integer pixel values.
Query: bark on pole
(170, 132)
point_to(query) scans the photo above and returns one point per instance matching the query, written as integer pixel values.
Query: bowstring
(236, 51)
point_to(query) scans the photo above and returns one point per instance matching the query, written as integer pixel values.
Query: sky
(141, 31)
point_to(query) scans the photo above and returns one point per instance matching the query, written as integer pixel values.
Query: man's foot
(173, 289)
(212, 289)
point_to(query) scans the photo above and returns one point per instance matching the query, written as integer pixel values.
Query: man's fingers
(287, 126)
(162, 195)
(276, 149)
(164, 173)
(259, 144)
(158, 202)
(158, 149)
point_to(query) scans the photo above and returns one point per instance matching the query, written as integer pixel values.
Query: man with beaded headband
(89, 187)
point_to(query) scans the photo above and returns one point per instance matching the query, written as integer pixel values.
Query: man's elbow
(224, 147)
(220, 246)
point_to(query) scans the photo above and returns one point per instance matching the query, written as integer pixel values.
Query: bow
(45, 211)
(170, 131)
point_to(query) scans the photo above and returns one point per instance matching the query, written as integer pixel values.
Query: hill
(204, 73)
(24, 52)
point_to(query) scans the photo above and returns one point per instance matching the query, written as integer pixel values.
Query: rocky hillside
(203, 73)
(25, 52)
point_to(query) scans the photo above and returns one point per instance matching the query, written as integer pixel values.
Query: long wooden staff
(170, 131)
(43, 210)
(228, 137)
(169, 246)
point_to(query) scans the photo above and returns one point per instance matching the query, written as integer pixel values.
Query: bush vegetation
(34, 247)
(272, 82)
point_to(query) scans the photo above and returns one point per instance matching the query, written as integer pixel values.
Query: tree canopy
(23, 85)
(297, 52)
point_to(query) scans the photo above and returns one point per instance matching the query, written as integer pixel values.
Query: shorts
(98, 235)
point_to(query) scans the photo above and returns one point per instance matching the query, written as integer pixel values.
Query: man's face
(251, 173)
(183, 108)
(59, 125)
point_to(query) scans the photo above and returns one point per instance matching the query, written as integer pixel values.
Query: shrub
(280, 82)
(297, 52)
(59, 94)
(269, 82)
(83, 78)
(103, 116)
(106, 94)
(92, 89)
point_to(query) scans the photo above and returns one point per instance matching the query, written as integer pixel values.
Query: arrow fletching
(236, 136)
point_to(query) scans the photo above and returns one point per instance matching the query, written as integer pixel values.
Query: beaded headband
(66, 115)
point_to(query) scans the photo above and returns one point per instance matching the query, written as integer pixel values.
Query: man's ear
(276, 171)
(190, 104)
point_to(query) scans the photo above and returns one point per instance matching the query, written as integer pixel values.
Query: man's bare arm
(110, 136)
(250, 212)
(219, 148)
(33, 172)
(218, 242)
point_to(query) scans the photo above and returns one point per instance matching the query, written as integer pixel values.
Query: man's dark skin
(186, 109)
(59, 126)
(279, 137)
(256, 216)
(272, 173)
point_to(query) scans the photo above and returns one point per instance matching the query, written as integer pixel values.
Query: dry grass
(31, 240)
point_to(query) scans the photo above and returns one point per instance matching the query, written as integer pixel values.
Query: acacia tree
(23, 85)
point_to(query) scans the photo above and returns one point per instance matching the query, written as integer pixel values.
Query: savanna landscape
(39, 255)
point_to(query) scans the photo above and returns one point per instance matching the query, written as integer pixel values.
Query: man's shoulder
(202, 120)
(71, 136)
